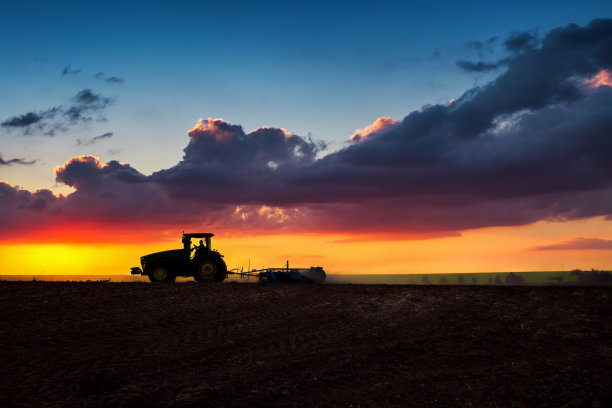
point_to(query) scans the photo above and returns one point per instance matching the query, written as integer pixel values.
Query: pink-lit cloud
(377, 126)
(603, 77)
(578, 244)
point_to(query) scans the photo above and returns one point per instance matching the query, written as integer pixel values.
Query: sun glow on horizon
(496, 249)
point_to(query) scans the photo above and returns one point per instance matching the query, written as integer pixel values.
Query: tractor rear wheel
(161, 273)
(210, 270)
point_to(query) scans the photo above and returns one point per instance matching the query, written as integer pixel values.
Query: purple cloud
(578, 244)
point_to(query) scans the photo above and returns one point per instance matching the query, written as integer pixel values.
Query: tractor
(201, 262)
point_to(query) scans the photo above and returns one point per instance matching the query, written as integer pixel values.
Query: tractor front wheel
(210, 270)
(161, 273)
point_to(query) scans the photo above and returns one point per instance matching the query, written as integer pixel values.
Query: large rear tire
(210, 270)
(161, 273)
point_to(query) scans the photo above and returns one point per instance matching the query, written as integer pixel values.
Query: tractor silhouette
(200, 262)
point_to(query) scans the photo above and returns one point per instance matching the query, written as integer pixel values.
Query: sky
(386, 137)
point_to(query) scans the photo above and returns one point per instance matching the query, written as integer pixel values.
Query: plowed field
(189, 345)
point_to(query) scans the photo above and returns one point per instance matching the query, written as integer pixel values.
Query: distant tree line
(592, 277)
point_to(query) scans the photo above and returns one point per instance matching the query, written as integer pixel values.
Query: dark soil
(190, 345)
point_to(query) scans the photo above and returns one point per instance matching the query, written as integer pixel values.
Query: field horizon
(451, 278)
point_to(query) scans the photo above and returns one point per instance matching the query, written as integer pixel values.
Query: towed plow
(314, 274)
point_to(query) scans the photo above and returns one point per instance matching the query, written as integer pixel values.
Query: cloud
(85, 103)
(26, 119)
(93, 140)
(376, 127)
(87, 172)
(44, 122)
(222, 163)
(480, 66)
(69, 71)
(15, 161)
(515, 43)
(578, 244)
(603, 77)
(483, 47)
(47, 122)
(533, 144)
(521, 41)
(113, 79)
(217, 141)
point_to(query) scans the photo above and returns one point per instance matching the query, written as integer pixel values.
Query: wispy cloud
(577, 244)
(85, 107)
(516, 43)
(112, 79)
(520, 41)
(15, 161)
(483, 47)
(69, 71)
(481, 66)
(87, 142)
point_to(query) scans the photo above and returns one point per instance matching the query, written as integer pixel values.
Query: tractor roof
(198, 235)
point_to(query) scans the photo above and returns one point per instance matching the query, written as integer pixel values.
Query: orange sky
(479, 250)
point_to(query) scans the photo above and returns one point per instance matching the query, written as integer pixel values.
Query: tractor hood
(172, 255)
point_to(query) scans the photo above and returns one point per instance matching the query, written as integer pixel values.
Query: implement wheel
(161, 273)
(210, 270)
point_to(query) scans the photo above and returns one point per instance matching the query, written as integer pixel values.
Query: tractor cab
(202, 247)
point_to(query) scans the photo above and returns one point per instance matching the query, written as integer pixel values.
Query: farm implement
(205, 264)
(314, 274)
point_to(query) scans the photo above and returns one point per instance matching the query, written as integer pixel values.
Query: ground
(189, 345)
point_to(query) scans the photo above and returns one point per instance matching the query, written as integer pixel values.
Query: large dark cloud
(534, 144)
(226, 164)
(84, 107)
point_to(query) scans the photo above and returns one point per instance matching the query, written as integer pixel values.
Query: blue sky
(311, 67)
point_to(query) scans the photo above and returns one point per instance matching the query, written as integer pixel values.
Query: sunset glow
(389, 150)
(486, 250)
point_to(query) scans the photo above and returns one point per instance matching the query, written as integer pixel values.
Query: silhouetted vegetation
(426, 280)
(460, 280)
(514, 279)
(592, 277)
(443, 280)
